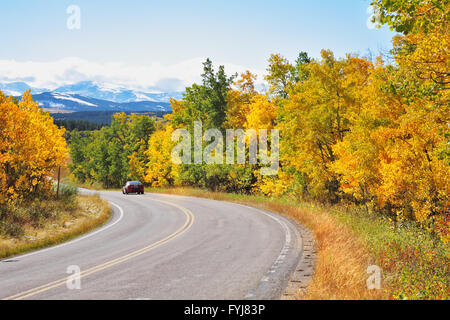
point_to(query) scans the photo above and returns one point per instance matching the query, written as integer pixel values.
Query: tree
(31, 147)
(410, 108)
(160, 170)
(113, 154)
(317, 115)
(424, 48)
(261, 113)
(282, 74)
(238, 100)
(206, 102)
(410, 16)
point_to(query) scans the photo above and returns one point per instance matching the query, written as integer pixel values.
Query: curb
(303, 273)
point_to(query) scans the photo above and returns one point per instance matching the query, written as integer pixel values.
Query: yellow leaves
(318, 115)
(261, 113)
(275, 187)
(391, 152)
(237, 110)
(160, 170)
(31, 146)
(246, 83)
(279, 73)
(348, 122)
(238, 101)
(430, 58)
(136, 166)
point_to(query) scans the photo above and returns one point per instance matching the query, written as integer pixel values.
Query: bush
(66, 190)
(14, 215)
(219, 177)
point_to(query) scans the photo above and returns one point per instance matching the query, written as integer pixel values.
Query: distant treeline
(79, 125)
(97, 117)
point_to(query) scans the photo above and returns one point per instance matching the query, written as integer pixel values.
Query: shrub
(66, 190)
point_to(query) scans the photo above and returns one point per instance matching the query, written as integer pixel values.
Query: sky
(161, 44)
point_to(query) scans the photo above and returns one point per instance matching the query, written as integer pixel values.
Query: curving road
(164, 247)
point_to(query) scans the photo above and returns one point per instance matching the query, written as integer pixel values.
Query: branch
(425, 12)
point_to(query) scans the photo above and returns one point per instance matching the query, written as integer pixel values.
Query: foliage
(219, 106)
(113, 154)
(206, 102)
(282, 74)
(159, 170)
(16, 214)
(317, 116)
(31, 147)
(408, 16)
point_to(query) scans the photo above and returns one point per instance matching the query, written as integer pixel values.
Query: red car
(133, 187)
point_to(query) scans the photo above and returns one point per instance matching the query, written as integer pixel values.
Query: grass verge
(414, 264)
(96, 186)
(50, 222)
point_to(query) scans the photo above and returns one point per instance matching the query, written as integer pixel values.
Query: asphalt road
(163, 247)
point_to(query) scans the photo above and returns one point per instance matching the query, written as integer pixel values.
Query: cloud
(70, 70)
(169, 84)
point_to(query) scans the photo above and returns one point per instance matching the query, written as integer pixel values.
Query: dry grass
(89, 212)
(342, 260)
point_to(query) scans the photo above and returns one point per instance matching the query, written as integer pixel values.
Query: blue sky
(163, 35)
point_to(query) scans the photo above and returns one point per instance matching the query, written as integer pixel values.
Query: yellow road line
(188, 223)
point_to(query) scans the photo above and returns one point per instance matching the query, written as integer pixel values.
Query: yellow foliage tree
(317, 115)
(31, 147)
(160, 171)
(397, 153)
(261, 113)
(238, 101)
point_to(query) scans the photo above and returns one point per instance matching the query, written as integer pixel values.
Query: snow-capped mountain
(94, 90)
(115, 93)
(75, 102)
(18, 88)
(89, 96)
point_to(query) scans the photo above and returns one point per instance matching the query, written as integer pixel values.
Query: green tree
(113, 154)
(206, 102)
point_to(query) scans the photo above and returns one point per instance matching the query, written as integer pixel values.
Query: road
(159, 246)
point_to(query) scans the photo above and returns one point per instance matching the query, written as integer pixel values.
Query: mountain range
(91, 96)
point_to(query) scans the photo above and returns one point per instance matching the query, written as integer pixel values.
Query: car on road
(133, 187)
